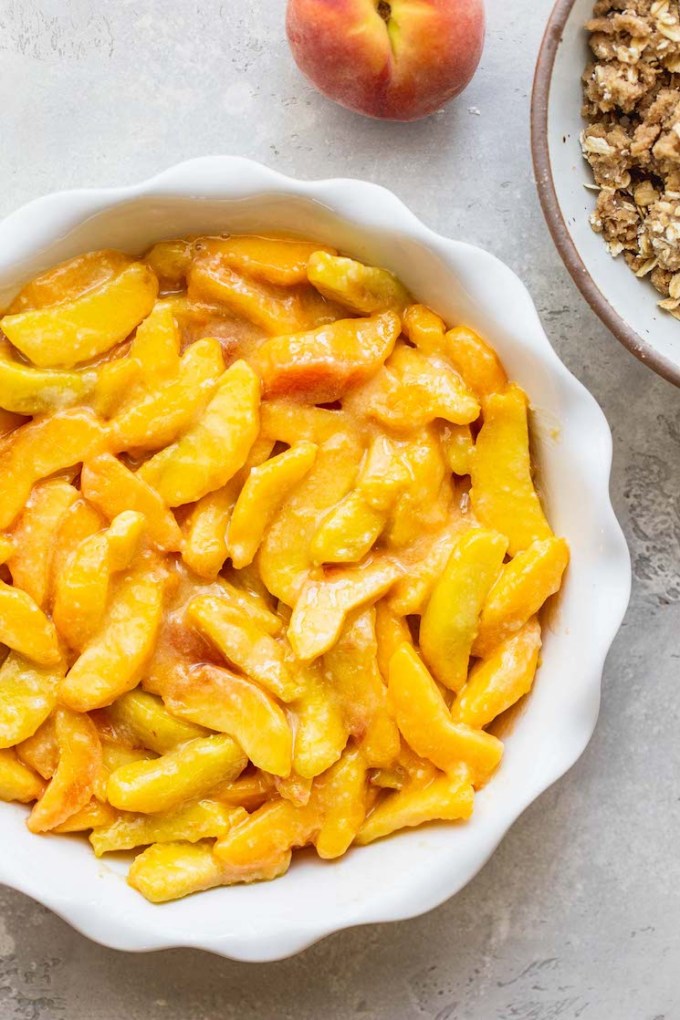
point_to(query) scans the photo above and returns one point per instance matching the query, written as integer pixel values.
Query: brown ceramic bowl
(628, 306)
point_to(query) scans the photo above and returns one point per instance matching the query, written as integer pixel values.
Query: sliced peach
(189, 823)
(284, 558)
(321, 365)
(25, 389)
(249, 791)
(501, 679)
(89, 817)
(266, 834)
(18, 781)
(41, 752)
(42, 448)
(324, 605)
(114, 660)
(447, 798)
(168, 871)
(524, 584)
(341, 797)
(172, 407)
(413, 390)
(188, 772)
(274, 309)
(425, 329)
(477, 363)
(458, 447)
(205, 530)
(243, 643)
(363, 289)
(108, 484)
(82, 590)
(352, 666)
(25, 628)
(153, 358)
(147, 722)
(426, 725)
(216, 697)
(28, 694)
(73, 784)
(170, 261)
(86, 326)
(320, 730)
(214, 449)
(69, 280)
(503, 495)
(278, 260)
(265, 489)
(391, 630)
(450, 622)
(34, 536)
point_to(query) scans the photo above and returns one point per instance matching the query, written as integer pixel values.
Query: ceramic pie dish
(629, 307)
(414, 871)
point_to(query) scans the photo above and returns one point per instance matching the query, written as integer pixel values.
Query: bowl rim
(547, 193)
(213, 177)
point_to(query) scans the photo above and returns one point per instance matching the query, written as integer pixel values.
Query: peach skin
(394, 59)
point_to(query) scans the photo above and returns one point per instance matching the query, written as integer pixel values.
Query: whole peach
(398, 59)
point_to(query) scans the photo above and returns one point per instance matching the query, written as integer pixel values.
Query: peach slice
(188, 772)
(426, 725)
(73, 783)
(503, 495)
(215, 697)
(214, 449)
(363, 289)
(519, 592)
(497, 682)
(42, 448)
(28, 693)
(111, 487)
(33, 537)
(450, 622)
(321, 365)
(168, 871)
(78, 330)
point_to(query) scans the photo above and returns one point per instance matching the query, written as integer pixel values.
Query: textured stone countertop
(578, 912)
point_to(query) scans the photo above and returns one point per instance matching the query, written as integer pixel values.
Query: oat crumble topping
(631, 100)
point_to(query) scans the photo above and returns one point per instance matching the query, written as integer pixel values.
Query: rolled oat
(632, 139)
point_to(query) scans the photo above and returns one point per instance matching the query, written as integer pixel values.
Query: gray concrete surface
(578, 913)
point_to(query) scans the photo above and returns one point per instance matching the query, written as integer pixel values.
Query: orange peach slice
(17, 781)
(450, 622)
(34, 536)
(80, 329)
(524, 584)
(73, 783)
(265, 489)
(426, 725)
(321, 365)
(172, 407)
(497, 682)
(363, 289)
(215, 697)
(114, 660)
(187, 773)
(168, 871)
(25, 628)
(214, 449)
(503, 495)
(42, 448)
(28, 693)
(447, 798)
(110, 486)
(324, 605)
